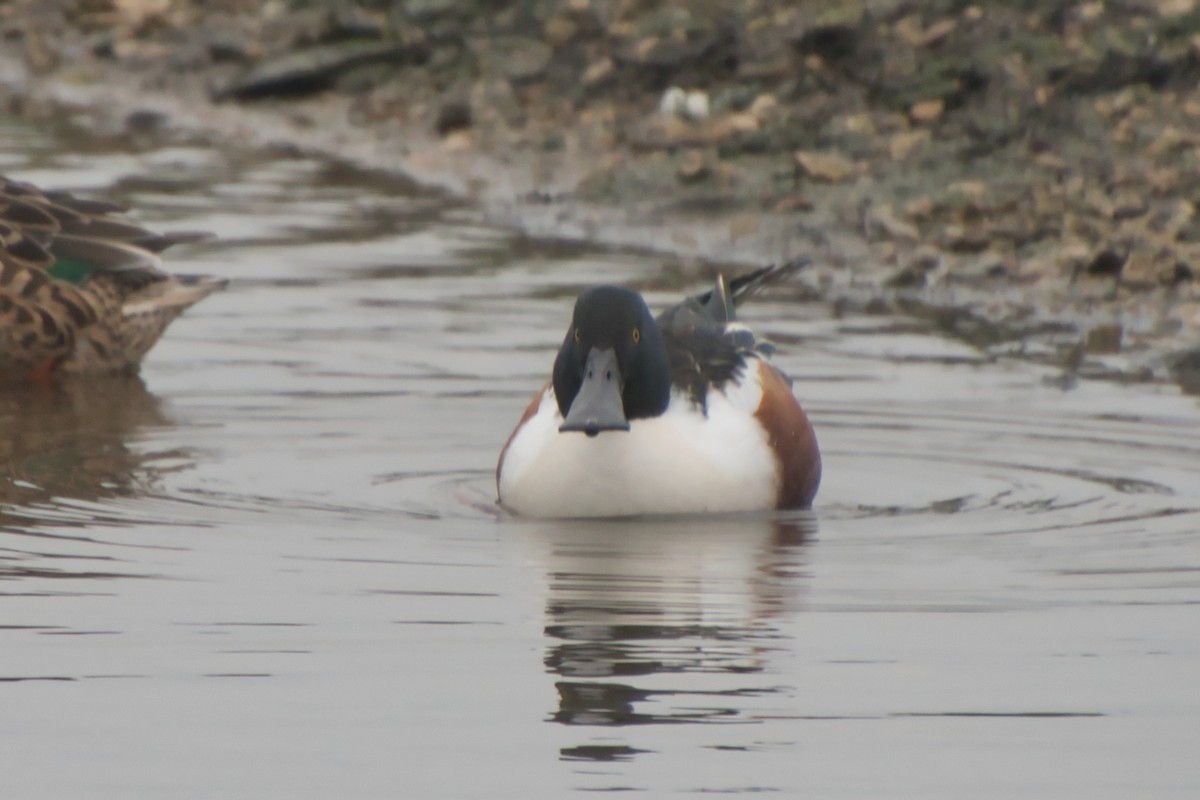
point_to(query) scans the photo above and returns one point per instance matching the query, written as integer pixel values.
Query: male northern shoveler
(679, 414)
(81, 287)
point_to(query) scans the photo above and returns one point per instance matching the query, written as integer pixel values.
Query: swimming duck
(677, 414)
(81, 287)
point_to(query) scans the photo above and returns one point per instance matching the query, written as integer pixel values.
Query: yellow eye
(578, 335)
(637, 335)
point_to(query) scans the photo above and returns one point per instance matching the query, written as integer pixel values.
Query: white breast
(677, 463)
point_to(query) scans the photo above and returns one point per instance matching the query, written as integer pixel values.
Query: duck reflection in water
(693, 598)
(72, 443)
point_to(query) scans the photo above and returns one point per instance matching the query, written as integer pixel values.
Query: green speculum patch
(71, 270)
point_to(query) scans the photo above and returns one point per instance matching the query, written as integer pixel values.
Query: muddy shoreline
(1020, 177)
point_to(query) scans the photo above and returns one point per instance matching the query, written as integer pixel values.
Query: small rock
(910, 31)
(1124, 133)
(1181, 273)
(966, 239)
(459, 141)
(733, 98)
(1128, 205)
(598, 72)
(827, 167)
(1073, 257)
(226, 45)
(693, 106)
(310, 70)
(883, 217)
(135, 13)
(560, 30)
(902, 144)
(147, 122)
(1185, 369)
(918, 272)
(920, 207)
(1052, 161)
(1035, 268)
(936, 32)
(969, 197)
(690, 41)
(1174, 8)
(42, 56)
(793, 202)
(835, 36)
(1105, 339)
(878, 306)
(974, 191)
(672, 102)
(887, 252)
(660, 131)
(744, 143)
(1172, 219)
(764, 107)
(862, 123)
(1187, 314)
(694, 167)
(987, 266)
(1165, 180)
(494, 99)
(1106, 262)
(1140, 271)
(733, 125)
(135, 50)
(906, 277)
(454, 115)
(696, 105)
(927, 110)
(1170, 140)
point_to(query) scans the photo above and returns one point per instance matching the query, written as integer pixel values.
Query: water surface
(273, 566)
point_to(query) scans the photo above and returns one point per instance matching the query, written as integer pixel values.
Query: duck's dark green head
(612, 366)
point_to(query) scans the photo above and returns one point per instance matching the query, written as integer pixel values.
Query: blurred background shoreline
(1018, 174)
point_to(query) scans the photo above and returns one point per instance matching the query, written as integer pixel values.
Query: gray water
(273, 567)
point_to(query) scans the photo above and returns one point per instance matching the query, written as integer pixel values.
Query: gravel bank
(1018, 174)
